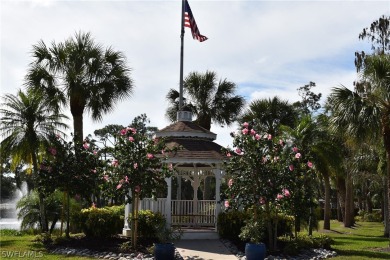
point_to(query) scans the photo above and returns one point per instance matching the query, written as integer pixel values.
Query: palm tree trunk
(77, 110)
(386, 141)
(341, 190)
(67, 215)
(78, 128)
(385, 209)
(42, 210)
(327, 203)
(349, 215)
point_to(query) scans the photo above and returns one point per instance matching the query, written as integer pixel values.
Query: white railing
(184, 212)
(193, 213)
(155, 205)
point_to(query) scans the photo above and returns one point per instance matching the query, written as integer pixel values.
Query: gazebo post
(217, 173)
(168, 202)
(126, 231)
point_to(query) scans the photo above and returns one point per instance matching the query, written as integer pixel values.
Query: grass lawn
(14, 246)
(364, 241)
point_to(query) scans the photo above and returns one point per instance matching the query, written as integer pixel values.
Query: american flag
(189, 21)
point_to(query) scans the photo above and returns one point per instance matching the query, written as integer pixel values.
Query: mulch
(109, 244)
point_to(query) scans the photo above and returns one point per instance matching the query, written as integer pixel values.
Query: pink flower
(95, 152)
(245, 131)
(226, 203)
(123, 131)
(119, 186)
(162, 151)
(115, 163)
(230, 183)
(53, 151)
(126, 179)
(85, 145)
(295, 149)
(257, 137)
(298, 155)
(264, 159)
(94, 170)
(105, 177)
(253, 132)
(269, 137)
(286, 192)
(238, 151)
(245, 124)
(279, 197)
(309, 164)
(133, 130)
(262, 200)
(137, 189)
(228, 154)
(149, 156)
(291, 167)
(131, 139)
(135, 165)
(281, 142)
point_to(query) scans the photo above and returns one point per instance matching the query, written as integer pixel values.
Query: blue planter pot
(165, 251)
(255, 251)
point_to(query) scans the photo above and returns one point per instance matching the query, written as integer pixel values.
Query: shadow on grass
(5, 243)
(365, 239)
(365, 254)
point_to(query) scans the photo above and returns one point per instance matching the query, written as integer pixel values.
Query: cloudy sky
(268, 48)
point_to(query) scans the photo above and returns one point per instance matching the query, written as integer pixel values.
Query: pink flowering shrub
(267, 176)
(138, 165)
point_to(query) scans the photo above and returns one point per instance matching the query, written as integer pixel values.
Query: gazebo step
(199, 234)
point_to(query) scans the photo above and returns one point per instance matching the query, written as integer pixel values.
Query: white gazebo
(197, 159)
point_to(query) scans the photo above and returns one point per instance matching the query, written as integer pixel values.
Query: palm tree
(210, 100)
(80, 74)
(27, 122)
(365, 112)
(314, 139)
(270, 114)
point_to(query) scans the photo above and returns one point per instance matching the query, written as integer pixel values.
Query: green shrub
(285, 225)
(100, 222)
(149, 223)
(375, 216)
(303, 241)
(230, 224)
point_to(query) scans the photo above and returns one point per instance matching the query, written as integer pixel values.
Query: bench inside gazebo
(197, 159)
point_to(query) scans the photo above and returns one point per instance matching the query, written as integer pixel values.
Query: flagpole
(181, 56)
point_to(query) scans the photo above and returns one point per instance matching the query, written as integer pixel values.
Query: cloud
(267, 48)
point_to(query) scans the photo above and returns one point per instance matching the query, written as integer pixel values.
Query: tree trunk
(42, 210)
(327, 203)
(77, 110)
(386, 141)
(341, 190)
(67, 215)
(385, 211)
(348, 215)
(78, 128)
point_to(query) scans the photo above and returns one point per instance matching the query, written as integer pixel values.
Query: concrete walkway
(203, 249)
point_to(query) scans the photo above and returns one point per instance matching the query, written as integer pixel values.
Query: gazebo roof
(196, 146)
(195, 152)
(186, 129)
